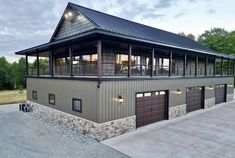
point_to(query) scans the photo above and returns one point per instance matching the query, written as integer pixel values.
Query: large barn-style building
(107, 75)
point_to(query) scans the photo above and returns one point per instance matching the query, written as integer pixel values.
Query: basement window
(34, 95)
(77, 105)
(51, 99)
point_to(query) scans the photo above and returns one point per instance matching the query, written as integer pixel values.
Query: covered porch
(105, 58)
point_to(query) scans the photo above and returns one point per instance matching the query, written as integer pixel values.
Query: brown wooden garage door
(194, 98)
(150, 107)
(220, 93)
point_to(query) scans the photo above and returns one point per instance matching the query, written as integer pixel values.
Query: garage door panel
(220, 92)
(150, 109)
(194, 99)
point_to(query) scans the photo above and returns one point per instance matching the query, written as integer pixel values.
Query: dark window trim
(49, 99)
(35, 98)
(75, 99)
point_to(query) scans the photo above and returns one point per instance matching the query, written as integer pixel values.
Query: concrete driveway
(23, 137)
(206, 133)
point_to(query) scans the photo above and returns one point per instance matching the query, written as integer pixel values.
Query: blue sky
(28, 23)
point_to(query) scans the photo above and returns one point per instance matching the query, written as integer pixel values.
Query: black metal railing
(113, 69)
(85, 69)
(43, 70)
(177, 71)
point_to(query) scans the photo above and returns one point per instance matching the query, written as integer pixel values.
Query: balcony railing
(112, 69)
(87, 69)
(45, 70)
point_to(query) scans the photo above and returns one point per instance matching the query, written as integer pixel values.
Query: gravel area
(27, 135)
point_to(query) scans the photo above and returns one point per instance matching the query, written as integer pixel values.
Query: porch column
(26, 65)
(37, 62)
(129, 61)
(51, 62)
(214, 72)
(170, 63)
(71, 61)
(233, 67)
(221, 66)
(206, 65)
(185, 64)
(99, 62)
(228, 71)
(196, 66)
(152, 68)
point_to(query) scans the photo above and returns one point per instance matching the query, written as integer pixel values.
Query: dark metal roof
(116, 26)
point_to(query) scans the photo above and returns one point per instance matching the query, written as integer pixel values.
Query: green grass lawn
(12, 96)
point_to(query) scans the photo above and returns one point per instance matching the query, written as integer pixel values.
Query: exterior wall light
(230, 85)
(120, 100)
(210, 88)
(68, 15)
(178, 91)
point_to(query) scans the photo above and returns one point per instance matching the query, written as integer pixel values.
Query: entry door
(220, 94)
(150, 107)
(194, 99)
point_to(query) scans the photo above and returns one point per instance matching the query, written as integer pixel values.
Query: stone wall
(177, 111)
(97, 131)
(209, 103)
(230, 97)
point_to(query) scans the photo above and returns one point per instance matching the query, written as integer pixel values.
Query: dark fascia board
(105, 32)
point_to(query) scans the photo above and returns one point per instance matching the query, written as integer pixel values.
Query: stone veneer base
(177, 111)
(230, 97)
(209, 103)
(98, 131)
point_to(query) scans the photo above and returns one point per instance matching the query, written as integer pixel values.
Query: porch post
(152, 68)
(206, 65)
(37, 64)
(99, 62)
(185, 64)
(26, 65)
(51, 62)
(71, 61)
(129, 61)
(221, 66)
(233, 67)
(170, 63)
(196, 66)
(214, 72)
(228, 71)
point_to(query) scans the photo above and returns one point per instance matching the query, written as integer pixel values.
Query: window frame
(49, 98)
(33, 92)
(73, 108)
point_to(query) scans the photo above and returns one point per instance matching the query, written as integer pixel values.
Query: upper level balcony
(104, 59)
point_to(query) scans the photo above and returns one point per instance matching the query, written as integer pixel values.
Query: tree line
(12, 76)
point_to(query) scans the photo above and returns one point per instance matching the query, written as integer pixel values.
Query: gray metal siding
(109, 109)
(100, 105)
(64, 91)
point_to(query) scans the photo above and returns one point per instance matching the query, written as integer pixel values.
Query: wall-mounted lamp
(178, 91)
(120, 100)
(230, 85)
(67, 15)
(210, 87)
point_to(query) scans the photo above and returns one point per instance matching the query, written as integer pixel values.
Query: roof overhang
(73, 39)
